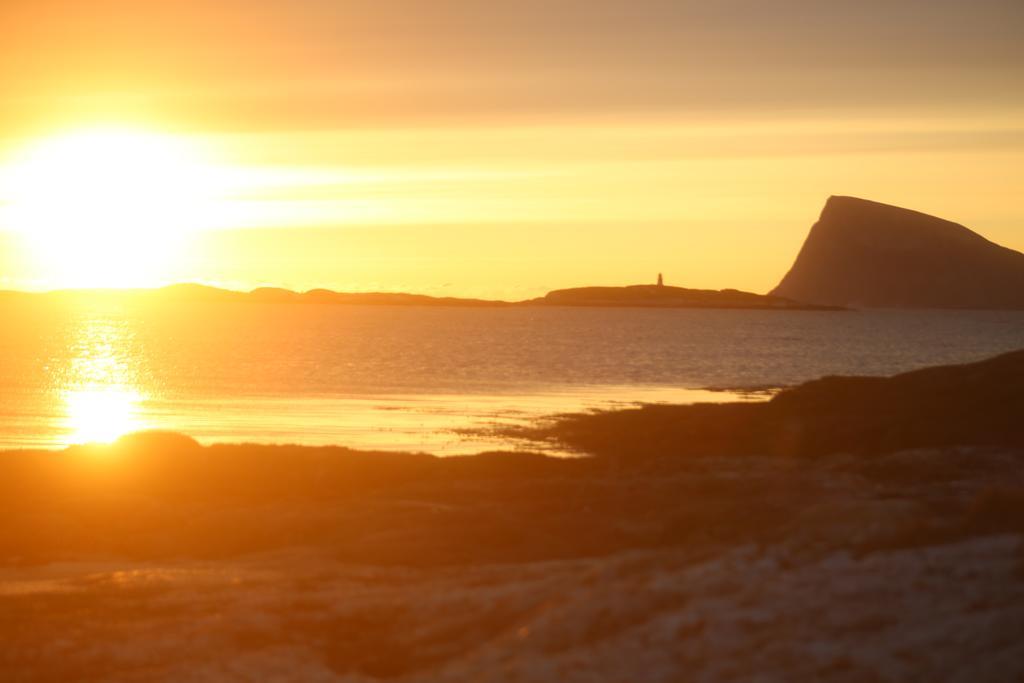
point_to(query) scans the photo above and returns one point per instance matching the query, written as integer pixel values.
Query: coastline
(539, 566)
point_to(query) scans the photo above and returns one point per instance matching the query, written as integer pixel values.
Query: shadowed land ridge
(973, 404)
(862, 253)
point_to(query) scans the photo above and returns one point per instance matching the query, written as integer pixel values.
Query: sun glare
(101, 414)
(105, 207)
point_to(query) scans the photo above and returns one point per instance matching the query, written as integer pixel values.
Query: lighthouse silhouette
(661, 282)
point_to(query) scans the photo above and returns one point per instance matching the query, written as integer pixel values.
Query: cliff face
(865, 254)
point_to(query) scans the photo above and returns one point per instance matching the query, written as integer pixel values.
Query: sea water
(424, 378)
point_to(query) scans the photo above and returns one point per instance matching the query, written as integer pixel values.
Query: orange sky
(471, 148)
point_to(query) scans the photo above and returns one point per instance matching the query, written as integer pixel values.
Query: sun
(106, 207)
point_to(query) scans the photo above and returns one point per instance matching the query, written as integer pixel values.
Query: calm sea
(416, 378)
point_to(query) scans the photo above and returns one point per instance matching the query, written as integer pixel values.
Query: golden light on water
(101, 414)
(100, 392)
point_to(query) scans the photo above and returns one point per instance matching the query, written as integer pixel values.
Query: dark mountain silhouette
(866, 254)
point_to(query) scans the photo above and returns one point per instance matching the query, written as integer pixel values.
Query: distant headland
(866, 254)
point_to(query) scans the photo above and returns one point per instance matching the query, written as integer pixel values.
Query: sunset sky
(489, 149)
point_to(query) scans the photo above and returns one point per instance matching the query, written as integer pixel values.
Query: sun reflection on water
(99, 394)
(101, 413)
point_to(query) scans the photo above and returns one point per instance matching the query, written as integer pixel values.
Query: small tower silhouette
(661, 283)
